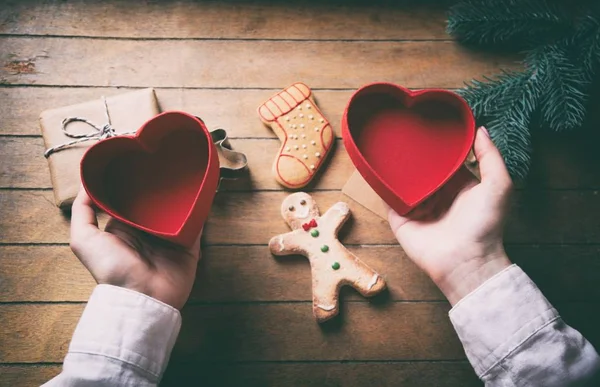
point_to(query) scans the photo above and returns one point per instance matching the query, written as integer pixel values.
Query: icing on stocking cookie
(332, 265)
(306, 136)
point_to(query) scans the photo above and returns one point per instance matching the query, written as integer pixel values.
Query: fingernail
(484, 130)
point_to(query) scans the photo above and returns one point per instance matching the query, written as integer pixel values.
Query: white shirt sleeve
(123, 338)
(514, 337)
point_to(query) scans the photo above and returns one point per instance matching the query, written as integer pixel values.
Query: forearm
(123, 338)
(514, 337)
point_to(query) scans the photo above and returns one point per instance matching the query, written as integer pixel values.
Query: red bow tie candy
(309, 225)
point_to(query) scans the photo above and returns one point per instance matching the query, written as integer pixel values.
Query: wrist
(171, 299)
(469, 275)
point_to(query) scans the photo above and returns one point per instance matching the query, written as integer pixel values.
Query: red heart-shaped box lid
(407, 144)
(162, 180)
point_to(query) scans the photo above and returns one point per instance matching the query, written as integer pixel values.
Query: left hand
(126, 257)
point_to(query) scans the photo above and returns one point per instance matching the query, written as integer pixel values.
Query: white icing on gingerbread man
(332, 265)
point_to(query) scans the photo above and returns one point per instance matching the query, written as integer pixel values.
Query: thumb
(491, 164)
(83, 218)
(395, 220)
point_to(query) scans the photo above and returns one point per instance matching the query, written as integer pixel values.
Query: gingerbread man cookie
(306, 136)
(332, 265)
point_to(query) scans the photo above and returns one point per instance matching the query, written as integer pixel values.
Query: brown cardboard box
(127, 112)
(361, 192)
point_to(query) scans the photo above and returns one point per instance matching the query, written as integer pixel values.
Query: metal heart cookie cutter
(233, 165)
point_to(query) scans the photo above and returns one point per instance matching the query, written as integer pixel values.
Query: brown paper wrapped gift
(127, 113)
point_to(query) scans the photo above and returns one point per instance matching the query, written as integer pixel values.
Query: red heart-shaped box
(407, 144)
(162, 180)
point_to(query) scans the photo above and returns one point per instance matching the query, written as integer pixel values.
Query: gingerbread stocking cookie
(306, 136)
(332, 265)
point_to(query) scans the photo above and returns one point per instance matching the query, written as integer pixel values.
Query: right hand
(123, 256)
(457, 239)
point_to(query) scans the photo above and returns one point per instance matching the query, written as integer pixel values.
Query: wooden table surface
(248, 321)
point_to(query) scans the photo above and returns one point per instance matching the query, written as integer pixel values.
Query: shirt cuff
(499, 316)
(127, 326)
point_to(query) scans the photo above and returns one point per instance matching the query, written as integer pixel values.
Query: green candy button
(314, 233)
(324, 248)
(335, 266)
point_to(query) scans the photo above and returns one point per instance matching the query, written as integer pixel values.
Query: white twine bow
(100, 133)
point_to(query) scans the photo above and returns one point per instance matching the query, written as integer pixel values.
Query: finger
(396, 220)
(195, 250)
(83, 217)
(421, 212)
(491, 163)
(402, 226)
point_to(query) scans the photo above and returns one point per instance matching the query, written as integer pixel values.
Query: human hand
(457, 238)
(126, 257)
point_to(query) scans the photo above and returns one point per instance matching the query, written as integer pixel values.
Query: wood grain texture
(225, 274)
(320, 20)
(233, 110)
(249, 319)
(563, 161)
(274, 332)
(27, 375)
(251, 274)
(42, 273)
(210, 374)
(22, 165)
(537, 217)
(572, 160)
(431, 374)
(240, 64)
(258, 332)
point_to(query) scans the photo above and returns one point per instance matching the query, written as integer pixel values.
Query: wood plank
(233, 110)
(253, 332)
(250, 273)
(433, 374)
(567, 160)
(563, 273)
(22, 165)
(537, 217)
(274, 332)
(239, 64)
(42, 273)
(27, 375)
(437, 374)
(36, 333)
(559, 163)
(379, 20)
(258, 332)
(564, 161)
(31, 216)
(226, 274)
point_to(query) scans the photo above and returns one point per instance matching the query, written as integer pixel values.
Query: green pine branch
(505, 106)
(482, 96)
(562, 85)
(560, 69)
(587, 42)
(508, 22)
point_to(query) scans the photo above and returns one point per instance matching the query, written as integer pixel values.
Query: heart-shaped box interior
(162, 180)
(407, 144)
